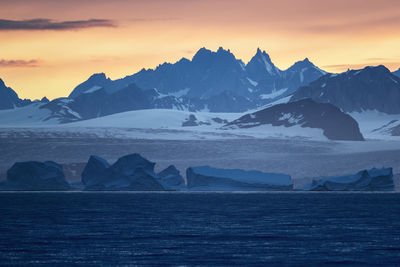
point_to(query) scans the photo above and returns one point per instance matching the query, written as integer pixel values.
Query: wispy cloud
(48, 24)
(343, 67)
(19, 63)
(154, 19)
(356, 25)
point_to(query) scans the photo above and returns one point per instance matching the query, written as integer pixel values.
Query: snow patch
(273, 94)
(180, 93)
(302, 74)
(254, 83)
(92, 89)
(268, 66)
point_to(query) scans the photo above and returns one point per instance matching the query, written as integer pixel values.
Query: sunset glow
(75, 39)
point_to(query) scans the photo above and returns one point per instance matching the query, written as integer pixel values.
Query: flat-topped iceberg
(206, 178)
(35, 176)
(131, 173)
(366, 180)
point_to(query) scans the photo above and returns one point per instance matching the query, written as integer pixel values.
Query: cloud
(155, 19)
(343, 67)
(19, 63)
(358, 25)
(48, 24)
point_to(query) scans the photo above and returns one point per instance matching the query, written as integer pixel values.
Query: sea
(199, 229)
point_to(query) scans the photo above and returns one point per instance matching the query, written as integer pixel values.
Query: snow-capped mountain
(9, 98)
(97, 102)
(305, 113)
(371, 88)
(300, 74)
(214, 81)
(95, 82)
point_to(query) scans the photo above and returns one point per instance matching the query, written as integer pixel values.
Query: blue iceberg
(206, 178)
(132, 173)
(35, 176)
(366, 180)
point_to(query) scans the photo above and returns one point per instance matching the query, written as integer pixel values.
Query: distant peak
(303, 63)
(205, 53)
(222, 50)
(261, 53)
(2, 84)
(201, 52)
(262, 56)
(98, 77)
(45, 100)
(381, 68)
(183, 60)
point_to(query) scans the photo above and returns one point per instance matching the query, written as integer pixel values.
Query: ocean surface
(187, 229)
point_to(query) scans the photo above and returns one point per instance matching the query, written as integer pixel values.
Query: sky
(48, 47)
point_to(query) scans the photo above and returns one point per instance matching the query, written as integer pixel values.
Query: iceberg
(366, 180)
(171, 179)
(206, 178)
(35, 176)
(132, 173)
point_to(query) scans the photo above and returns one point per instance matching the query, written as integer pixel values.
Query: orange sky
(335, 35)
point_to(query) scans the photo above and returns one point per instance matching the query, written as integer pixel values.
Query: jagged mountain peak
(206, 54)
(95, 82)
(262, 55)
(262, 65)
(305, 63)
(98, 76)
(208, 74)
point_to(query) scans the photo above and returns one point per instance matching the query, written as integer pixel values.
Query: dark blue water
(199, 229)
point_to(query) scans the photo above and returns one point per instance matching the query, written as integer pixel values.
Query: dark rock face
(9, 98)
(397, 73)
(131, 172)
(205, 178)
(171, 179)
(34, 176)
(335, 124)
(372, 88)
(367, 180)
(191, 121)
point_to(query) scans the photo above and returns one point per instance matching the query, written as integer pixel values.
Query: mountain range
(214, 81)
(219, 82)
